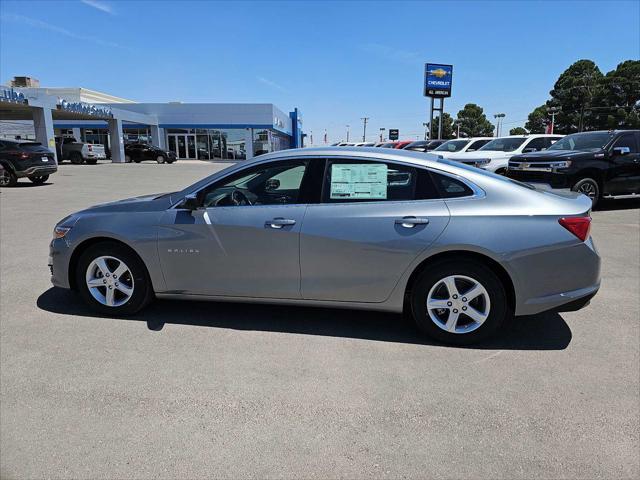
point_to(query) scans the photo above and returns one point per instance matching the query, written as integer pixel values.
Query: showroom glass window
(276, 183)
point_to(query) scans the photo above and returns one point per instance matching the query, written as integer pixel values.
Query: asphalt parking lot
(193, 390)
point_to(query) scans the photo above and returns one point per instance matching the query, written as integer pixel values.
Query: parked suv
(138, 152)
(599, 164)
(25, 159)
(461, 145)
(495, 155)
(79, 152)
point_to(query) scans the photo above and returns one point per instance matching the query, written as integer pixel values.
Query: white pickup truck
(78, 152)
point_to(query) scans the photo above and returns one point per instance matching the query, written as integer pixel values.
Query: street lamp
(498, 117)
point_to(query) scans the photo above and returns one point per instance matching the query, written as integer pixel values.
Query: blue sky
(336, 61)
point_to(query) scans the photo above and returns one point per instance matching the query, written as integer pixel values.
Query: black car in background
(19, 159)
(424, 145)
(603, 164)
(138, 152)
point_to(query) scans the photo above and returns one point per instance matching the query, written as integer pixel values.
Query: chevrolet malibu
(457, 248)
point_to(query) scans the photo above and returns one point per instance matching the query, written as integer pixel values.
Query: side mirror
(190, 202)
(621, 150)
(272, 184)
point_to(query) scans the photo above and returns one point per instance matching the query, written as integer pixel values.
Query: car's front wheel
(7, 177)
(160, 159)
(459, 302)
(589, 187)
(113, 280)
(39, 179)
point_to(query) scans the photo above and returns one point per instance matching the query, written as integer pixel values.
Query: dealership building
(199, 131)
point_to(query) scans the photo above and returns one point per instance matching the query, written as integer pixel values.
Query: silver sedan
(457, 248)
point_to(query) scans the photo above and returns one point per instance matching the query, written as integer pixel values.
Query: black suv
(20, 159)
(604, 164)
(138, 152)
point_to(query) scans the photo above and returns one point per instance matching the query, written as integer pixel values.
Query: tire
(92, 161)
(170, 161)
(589, 187)
(39, 179)
(127, 159)
(160, 159)
(489, 307)
(76, 158)
(135, 278)
(7, 177)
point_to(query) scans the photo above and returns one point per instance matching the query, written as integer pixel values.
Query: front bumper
(553, 179)
(59, 257)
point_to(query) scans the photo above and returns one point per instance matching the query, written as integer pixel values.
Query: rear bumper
(37, 170)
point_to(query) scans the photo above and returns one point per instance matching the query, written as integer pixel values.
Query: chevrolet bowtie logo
(439, 72)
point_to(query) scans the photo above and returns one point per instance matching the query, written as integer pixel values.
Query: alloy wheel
(110, 281)
(588, 189)
(5, 177)
(458, 304)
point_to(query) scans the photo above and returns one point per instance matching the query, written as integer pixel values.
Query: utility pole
(426, 126)
(364, 128)
(382, 129)
(348, 133)
(553, 111)
(458, 125)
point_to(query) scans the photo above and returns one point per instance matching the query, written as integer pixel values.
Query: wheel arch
(457, 255)
(8, 165)
(589, 172)
(89, 242)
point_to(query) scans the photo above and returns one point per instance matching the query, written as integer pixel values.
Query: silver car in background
(459, 248)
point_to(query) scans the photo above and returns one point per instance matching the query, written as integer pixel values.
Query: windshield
(583, 141)
(503, 144)
(452, 146)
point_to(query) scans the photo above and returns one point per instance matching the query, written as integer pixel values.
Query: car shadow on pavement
(628, 204)
(537, 332)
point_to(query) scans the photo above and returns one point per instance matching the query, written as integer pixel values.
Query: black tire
(7, 177)
(160, 159)
(590, 187)
(92, 161)
(498, 307)
(76, 158)
(137, 160)
(142, 288)
(39, 179)
(169, 161)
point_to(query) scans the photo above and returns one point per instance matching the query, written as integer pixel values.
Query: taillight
(579, 226)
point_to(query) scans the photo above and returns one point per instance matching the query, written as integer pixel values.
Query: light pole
(364, 128)
(499, 117)
(553, 111)
(426, 127)
(348, 132)
(382, 130)
(458, 126)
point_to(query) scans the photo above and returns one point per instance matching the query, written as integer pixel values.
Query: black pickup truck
(603, 164)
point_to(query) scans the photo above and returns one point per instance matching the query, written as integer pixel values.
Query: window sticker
(359, 181)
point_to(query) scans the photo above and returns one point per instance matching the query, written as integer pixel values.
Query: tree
(537, 122)
(473, 122)
(518, 131)
(447, 126)
(618, 102)
(574, 92)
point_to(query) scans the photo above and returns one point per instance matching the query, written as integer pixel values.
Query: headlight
(60, 232)
(563, 164)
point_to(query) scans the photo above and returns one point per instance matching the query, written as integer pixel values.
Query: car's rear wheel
(7, 177)
(113, 280)
(76, 158)
(459, 302)
(39, 179)
(589, 187)
(160, 159)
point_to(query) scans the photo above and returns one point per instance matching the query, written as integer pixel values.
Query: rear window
(31, 147)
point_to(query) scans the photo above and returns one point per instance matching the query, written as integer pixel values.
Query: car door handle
(279, 222)
(410, 222)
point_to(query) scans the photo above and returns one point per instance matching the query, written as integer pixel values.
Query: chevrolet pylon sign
(437, 80)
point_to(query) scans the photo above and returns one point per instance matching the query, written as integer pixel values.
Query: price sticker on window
(360, 181)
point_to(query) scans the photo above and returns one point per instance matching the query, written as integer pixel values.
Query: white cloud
(102, 6)
(391, 53)
(33, 22)
(271, 84)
